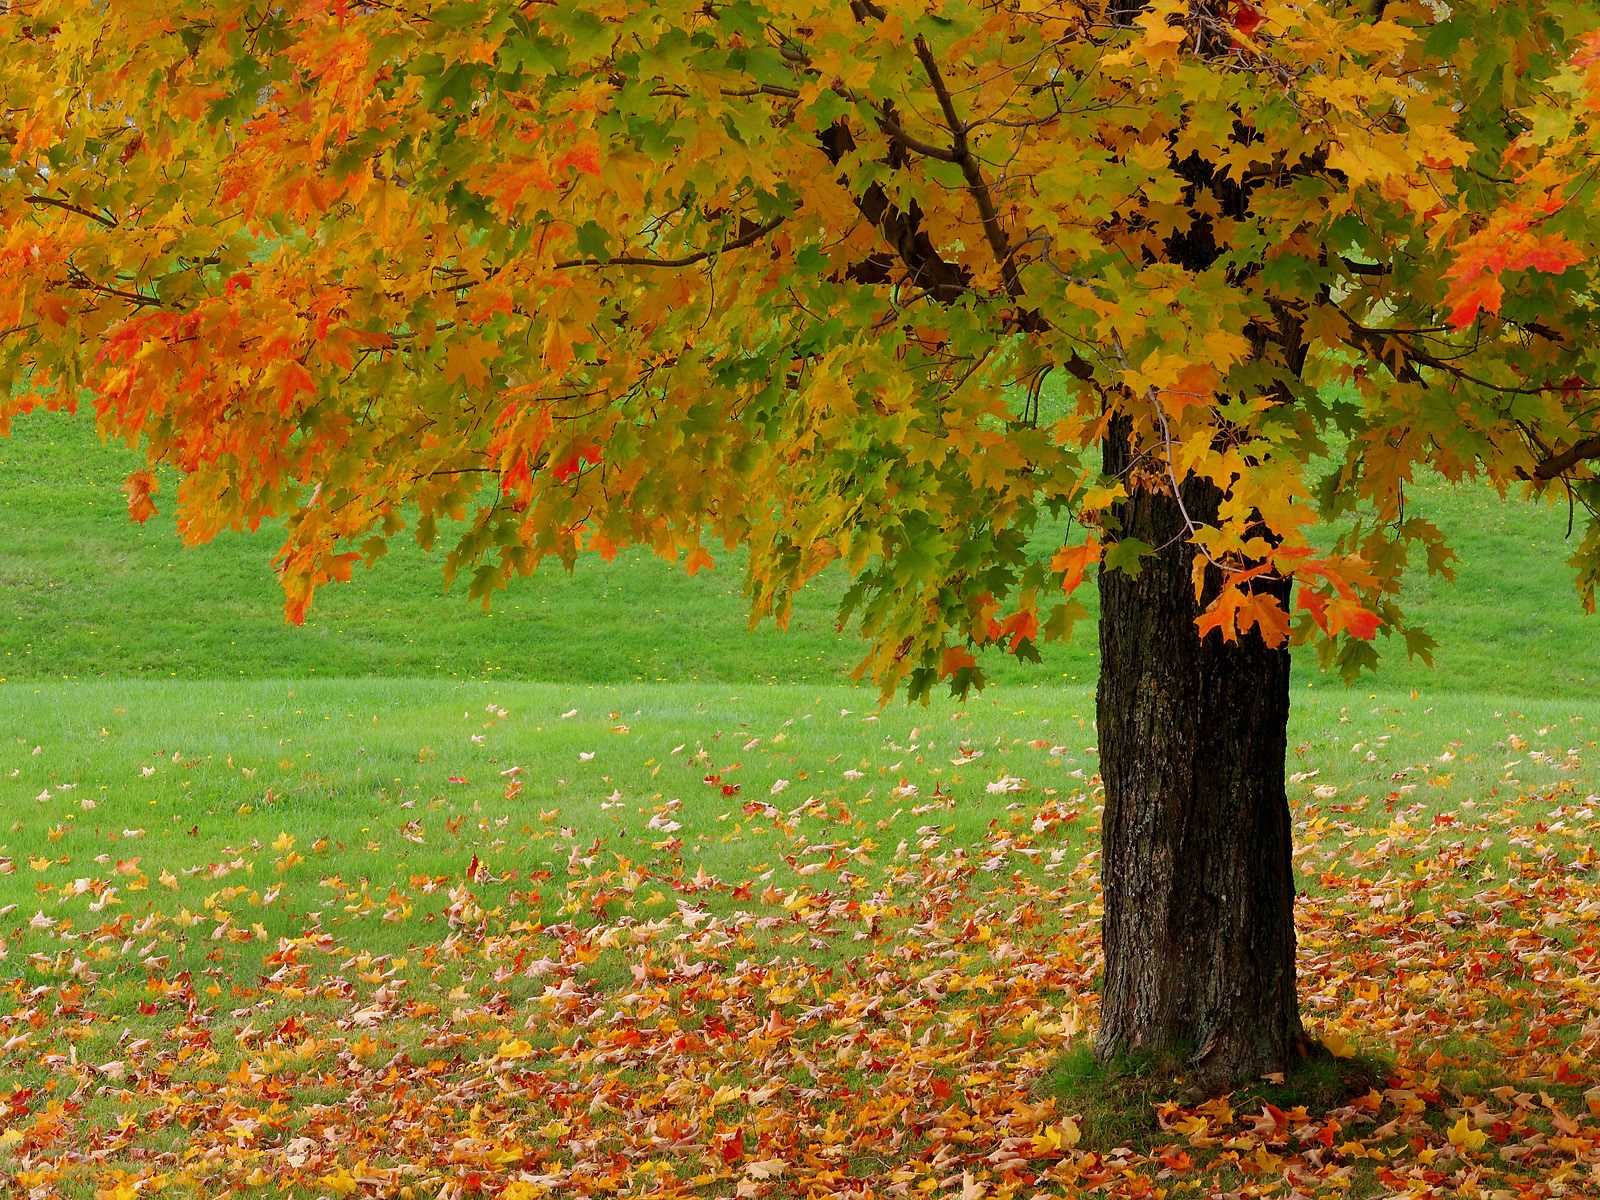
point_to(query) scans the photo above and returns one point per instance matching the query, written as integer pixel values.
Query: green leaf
(1125, 555)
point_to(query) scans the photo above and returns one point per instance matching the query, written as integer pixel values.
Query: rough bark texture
(1199, 891)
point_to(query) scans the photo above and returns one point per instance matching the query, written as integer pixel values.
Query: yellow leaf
(514, 1049)
(1056, 1139)
(10, 1137)
(1338, 1045)
(1464, 1137)
(1162, 39)
(283, 843)
(340, 1182)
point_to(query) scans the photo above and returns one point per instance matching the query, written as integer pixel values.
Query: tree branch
(751, 235)
(1559, 464)
(55, 202)
(77, 280)
(961, 150)
(1361, 268)
(890, 124)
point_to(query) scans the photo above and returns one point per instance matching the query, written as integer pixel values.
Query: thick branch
(943, 280)
(1559, 464)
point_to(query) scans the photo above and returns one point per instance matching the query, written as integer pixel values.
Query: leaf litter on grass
(856, 984)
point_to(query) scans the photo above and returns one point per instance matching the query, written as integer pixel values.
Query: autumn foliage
(961, 300)
(839, 282)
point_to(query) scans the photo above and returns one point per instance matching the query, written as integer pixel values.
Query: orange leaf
(1072, 561)
(1222, 616)
(1551, 253)
(140, 486)
(584, 159)
(1263, 611)
(1019, 627)
(955, 658)
(293, 379)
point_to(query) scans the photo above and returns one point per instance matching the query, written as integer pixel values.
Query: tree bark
(1198, 879)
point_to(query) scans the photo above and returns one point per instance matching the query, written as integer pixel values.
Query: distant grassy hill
(87, 594)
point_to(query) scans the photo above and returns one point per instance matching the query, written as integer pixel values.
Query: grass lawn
(563, 901)
(90, 595)
(346, 936)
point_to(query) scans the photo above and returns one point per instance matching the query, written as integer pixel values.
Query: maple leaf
(1464, 1137)
(140, 486)
(566, 468)
(954, 659)
(1070, 562)
(585, 159)
(465, 361)
(292, 380)
(1338, 1044)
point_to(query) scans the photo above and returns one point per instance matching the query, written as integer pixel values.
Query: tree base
(1116, 1102)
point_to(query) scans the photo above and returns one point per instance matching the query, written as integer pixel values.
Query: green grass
(89, 595)
(330, 793)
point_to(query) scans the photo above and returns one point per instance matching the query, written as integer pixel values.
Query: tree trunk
(1199, 890)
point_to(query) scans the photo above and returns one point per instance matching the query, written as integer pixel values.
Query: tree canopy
(865, 282)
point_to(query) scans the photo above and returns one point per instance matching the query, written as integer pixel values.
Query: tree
(973, 299)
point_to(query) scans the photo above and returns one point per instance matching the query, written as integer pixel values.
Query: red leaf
(1019, 627)
(583, 452)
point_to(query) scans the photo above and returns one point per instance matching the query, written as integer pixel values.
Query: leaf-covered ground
(667, 942)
